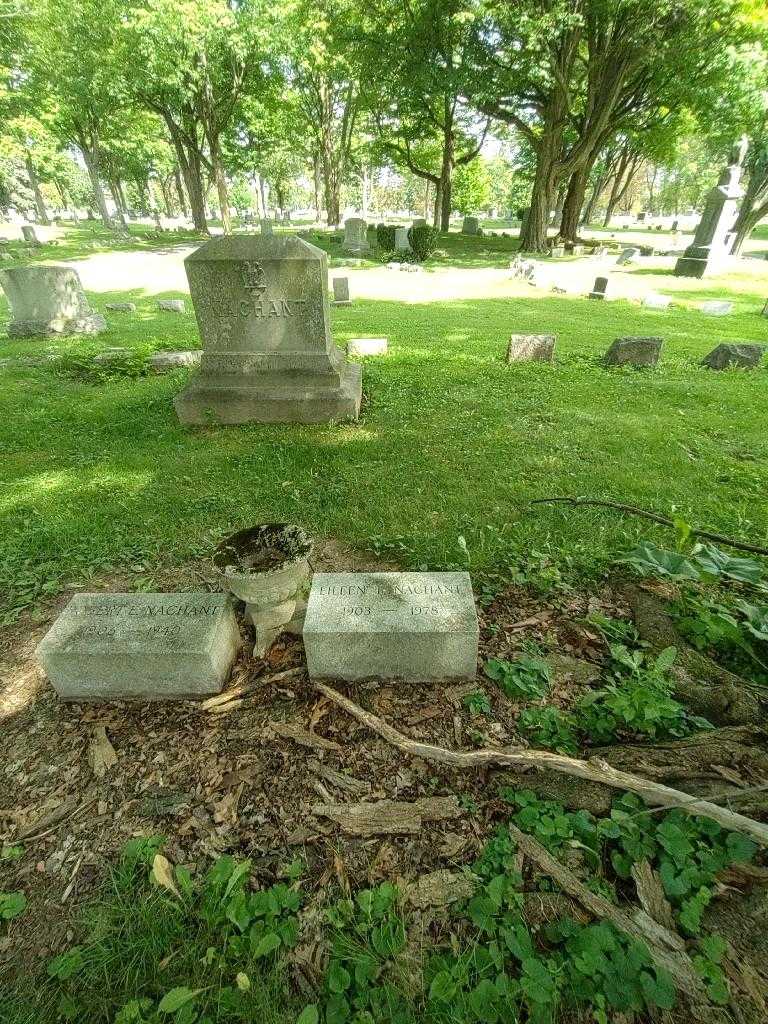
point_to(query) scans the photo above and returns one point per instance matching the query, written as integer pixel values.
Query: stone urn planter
(266, 566)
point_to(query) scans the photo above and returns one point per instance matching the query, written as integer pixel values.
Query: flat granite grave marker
(654, 300)
(367, 347)
(46, 301)
(141, 646)
(716, 307)
(536, 348)
(171, 305)
(261, 304)
(733, 353)
(416, 626)
(634, 352)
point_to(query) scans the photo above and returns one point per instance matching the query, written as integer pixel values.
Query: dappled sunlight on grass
(451, 440)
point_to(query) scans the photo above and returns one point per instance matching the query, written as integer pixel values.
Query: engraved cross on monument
(268, 357)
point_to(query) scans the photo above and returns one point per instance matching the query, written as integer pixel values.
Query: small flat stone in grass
(171, 305)
(716, 308)
(112, 355)
(141, 646)
(121, 307)
(655, 301)
(738, 354)
(162, 362)
(634, 352)
(527, 348)
(367, 347)
(416, 626)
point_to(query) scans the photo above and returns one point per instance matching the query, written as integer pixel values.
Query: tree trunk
(594, 195)
(574, 200)
(557, 213)
(366, 185)
(751, 210)
(34, 183)
(180, 192)
(93, 165)
(427, 188)
(533, 232)
(190, 163)
(221, 187)
(317, 184)
(437, 204)
(263, 196)
(165, 192)
(118, 201)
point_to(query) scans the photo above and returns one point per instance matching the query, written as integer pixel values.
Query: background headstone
(470, 226)
(415, 626)
(261, 304)
(538, 348)
(121, 307)
(341, 291)
(29, 234)
(740, 354)
(143, 646)
(48, 300)
(266, 227)
(599, 288)
(634, 351)
(627, 256)
(401, 239)
(716, 307)
(656, 301)
(171, 305)
(162, 362)
(355, 235)
(367, 347)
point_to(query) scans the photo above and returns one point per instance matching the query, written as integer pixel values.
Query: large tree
(190, 62)
(420, 52)
(570, 74)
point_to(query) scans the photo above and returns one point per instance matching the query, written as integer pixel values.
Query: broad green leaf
(443, 987)
(12, 904)
(268, 944)
(309, 1015)
(339, 978)
(174, 999)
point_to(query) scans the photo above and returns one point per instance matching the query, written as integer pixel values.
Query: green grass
(98, 476)
(135, 944)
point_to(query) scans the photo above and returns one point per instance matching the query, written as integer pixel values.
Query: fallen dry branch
(672, 959)
(595, 770)
(633, 510)
(390, 817)
(302, 736)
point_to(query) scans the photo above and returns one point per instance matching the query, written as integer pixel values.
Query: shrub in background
(423, 240)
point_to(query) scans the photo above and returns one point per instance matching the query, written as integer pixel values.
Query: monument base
(207, 402)
(699, 261)
(92, 324)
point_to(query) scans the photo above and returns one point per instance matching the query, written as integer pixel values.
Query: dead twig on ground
(633, 510)
(595, 770)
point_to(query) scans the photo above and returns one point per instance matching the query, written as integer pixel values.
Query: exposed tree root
(595, 769)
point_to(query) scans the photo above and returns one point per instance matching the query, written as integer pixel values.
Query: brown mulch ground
(230, 782)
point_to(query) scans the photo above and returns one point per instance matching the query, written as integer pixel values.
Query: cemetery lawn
(99, 477)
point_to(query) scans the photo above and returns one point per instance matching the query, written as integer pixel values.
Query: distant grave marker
(535, 348)
(634, 352)
(599, 288)
(341, 291)
(48, 300)
(734, 354)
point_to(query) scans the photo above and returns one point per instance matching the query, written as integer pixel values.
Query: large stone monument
(711, 247)
(268, 356)
(48, 300)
